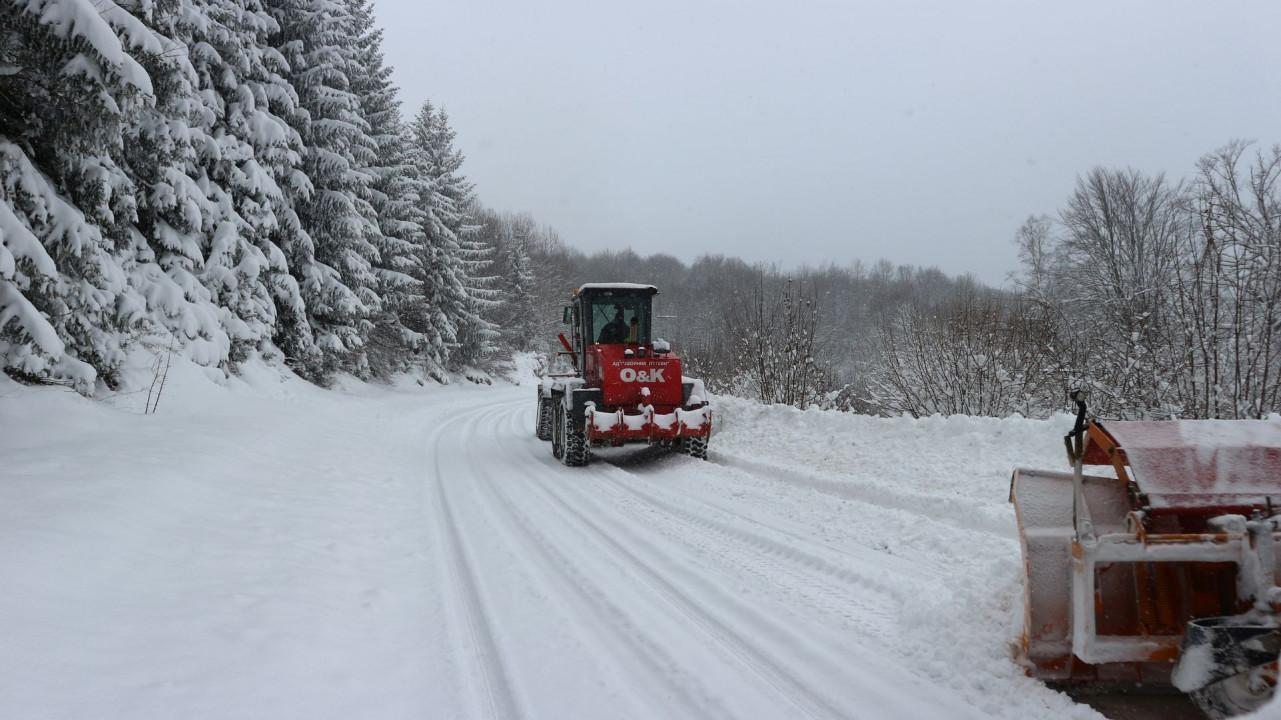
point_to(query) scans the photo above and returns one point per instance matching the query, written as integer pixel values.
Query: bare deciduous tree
(775, 328)
(978, 353)
(1230, 286)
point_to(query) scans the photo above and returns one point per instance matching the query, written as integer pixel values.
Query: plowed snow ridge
(412, 553)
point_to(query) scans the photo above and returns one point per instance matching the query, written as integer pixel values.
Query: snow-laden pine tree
(517, 311)
(178, 217)
(246, 152)
(457, 296)
(394, 194)
(232, 175)
(522, 322)
(72, 87)
(331, 251)
(478, 335)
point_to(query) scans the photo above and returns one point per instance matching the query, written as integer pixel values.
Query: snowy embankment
(931, 497)
(268, 549)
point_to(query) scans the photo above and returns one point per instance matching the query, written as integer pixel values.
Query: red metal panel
(621, 378)
(1187, 464)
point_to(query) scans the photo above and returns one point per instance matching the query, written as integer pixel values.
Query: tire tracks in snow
(957, 513)
(495, 687)
(812, 574)
(933, 543)
(809, 581)
(897, 675)
(803, 553)
(814, 702)
(802, 698)
(590, 603)
(856, 600)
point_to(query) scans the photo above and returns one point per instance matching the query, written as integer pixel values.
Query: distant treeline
(1162, 298)
(234, 179)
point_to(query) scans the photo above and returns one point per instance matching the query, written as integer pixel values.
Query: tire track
(804, 696)
(959, 513)
(919, 541)
(495, 687)
(803, 625)
(794, 617)
(590, 602)
(762, 543)
(805, 575)
(854, 613)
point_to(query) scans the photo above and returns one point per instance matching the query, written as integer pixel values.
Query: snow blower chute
(623, 387)
(1164, 574)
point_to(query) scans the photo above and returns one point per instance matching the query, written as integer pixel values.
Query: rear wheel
(543, 426)
(1228, 667)
(1236, 695)
(695, 447)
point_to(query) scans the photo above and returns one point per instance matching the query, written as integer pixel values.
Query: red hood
(621, 378)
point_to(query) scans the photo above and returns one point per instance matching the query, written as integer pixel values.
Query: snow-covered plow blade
(1117, 567)
(618, 428)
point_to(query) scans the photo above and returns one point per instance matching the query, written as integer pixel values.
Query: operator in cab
(615, 331)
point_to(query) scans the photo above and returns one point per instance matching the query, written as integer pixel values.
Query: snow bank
(527, 368)
(958, 466)
(931, 493)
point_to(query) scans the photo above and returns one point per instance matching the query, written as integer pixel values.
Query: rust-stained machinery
(1164, 573)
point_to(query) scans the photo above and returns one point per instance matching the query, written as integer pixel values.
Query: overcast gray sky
(807, 132)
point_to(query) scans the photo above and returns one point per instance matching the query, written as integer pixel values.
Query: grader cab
(624, 386)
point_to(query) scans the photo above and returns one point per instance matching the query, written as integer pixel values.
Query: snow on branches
(233, 176)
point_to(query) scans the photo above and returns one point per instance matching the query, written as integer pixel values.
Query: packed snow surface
(265, 549)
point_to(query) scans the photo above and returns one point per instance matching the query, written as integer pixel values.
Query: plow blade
(1164, 574)
(1112, 608)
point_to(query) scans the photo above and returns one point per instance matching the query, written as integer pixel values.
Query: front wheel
(575, 452)
(558, 430)
(695, 447)
(1238, 694)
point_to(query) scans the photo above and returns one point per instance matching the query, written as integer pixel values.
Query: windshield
(619, 319)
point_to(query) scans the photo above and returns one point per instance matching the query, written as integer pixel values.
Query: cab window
(619, 319)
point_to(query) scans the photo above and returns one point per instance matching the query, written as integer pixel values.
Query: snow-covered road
(576, 591)
(390, 554)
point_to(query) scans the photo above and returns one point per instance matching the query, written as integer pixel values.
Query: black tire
(695, 447)
(558, 430)
(1231, 696)
(576, 452)
(543, 426)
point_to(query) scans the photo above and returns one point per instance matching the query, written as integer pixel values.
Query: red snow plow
(1164, 573)
(624, 387)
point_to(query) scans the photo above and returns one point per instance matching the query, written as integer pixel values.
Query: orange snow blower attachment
(1171, 558)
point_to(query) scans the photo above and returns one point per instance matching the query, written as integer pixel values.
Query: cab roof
(616, 286)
